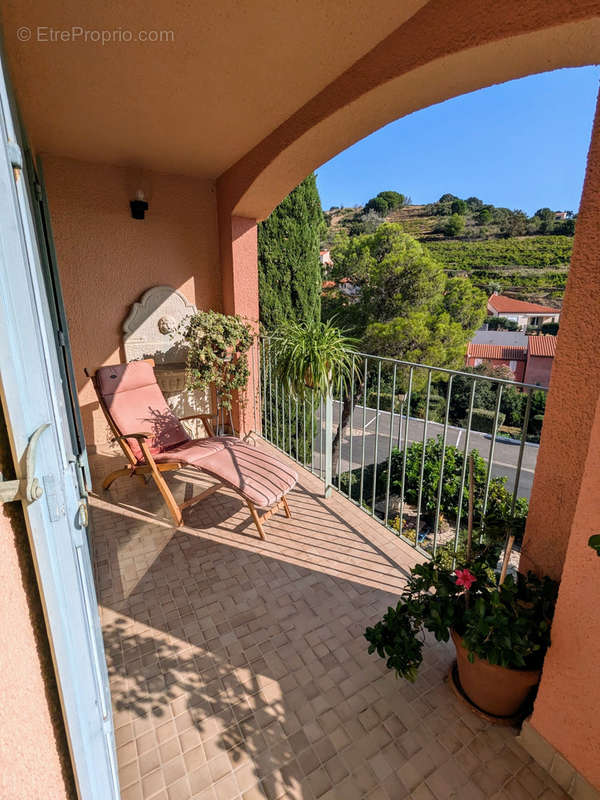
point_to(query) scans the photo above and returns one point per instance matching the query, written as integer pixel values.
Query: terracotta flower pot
(496, 690)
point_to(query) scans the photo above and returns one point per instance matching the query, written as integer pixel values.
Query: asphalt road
(505, 455)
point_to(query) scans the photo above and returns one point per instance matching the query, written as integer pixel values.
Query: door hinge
(27, 489)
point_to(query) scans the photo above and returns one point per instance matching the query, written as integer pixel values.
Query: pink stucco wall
(518, 372)
(539, 369)
(567, 706)
(565, 503)
(107, 259)
(239, 264)
(34, 760)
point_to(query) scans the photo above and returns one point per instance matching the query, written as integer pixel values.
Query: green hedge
(483, 420)
(385, 401)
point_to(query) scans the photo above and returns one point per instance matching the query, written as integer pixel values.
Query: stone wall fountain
(150, 331)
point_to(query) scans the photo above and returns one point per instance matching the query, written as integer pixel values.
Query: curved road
(505, 455)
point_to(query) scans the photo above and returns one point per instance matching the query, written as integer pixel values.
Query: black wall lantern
(139, 206)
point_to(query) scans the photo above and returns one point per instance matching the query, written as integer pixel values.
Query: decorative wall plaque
(150, 330)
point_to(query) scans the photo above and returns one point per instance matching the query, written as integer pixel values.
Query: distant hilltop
(451, 217)
(501, 249)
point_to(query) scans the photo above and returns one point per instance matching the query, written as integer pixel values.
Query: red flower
(464, 577)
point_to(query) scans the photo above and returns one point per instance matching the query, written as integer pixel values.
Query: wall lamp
(139, 206)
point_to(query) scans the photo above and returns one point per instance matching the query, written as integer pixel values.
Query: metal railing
(407, 433)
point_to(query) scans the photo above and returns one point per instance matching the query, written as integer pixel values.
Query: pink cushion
(259, 477)
(137, 405)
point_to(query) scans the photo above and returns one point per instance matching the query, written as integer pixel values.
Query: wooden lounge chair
(154, 441)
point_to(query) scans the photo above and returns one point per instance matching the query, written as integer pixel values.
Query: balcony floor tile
(238, 668)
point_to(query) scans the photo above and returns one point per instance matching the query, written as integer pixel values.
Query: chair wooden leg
(167, 494)
(256, 519)
(112, 477)
(286, 507)
(174, 509)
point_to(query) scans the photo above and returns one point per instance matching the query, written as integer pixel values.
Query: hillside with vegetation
(497, 248)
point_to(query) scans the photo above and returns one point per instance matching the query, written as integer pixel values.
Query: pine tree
(288, 258)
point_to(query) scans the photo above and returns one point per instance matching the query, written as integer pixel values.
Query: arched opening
(430, 59)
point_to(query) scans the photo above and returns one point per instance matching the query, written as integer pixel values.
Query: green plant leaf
(594, 543)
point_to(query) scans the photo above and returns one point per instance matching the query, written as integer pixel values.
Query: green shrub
(483, 420)
(535, 427)
(437, 406)
(501, 324)
(460, 399)
(385, 400)
(458, 206)
(512, 405)
(455, 225)
(499, 506)
(550, 328)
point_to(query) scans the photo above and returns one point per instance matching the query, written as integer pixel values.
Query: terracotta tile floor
(238, 667)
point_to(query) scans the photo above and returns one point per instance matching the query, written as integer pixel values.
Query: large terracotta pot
(496, 690)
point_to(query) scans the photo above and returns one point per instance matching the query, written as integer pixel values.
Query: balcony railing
(411, 435)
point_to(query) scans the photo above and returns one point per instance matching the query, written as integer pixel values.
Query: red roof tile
(328, 284)
(497, 351)
(542, 346)
(506, 305)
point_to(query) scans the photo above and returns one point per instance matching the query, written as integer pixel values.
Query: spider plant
(312, 356)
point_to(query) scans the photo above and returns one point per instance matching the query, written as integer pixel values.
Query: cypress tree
(288, 258)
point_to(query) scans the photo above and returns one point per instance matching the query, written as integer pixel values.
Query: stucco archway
(441, 52)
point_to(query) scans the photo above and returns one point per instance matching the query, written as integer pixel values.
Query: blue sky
(521, 144)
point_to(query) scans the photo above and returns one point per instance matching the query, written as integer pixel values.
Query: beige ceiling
(234, 72)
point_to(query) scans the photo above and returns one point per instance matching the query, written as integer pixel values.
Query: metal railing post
(414, 485)
(328, 442)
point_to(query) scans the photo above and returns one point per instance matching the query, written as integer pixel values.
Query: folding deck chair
(154, 441)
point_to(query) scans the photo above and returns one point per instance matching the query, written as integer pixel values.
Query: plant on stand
(217, 348)
(312, 358)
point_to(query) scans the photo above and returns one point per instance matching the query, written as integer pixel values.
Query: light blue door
(34, 392)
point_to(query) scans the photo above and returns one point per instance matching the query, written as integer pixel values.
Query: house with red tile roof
(325, 258)
(522, 313)
(498, 355)
(530, 358)
(540, 358)
(344, 285)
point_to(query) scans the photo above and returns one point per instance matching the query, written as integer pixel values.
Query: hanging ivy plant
(217, 353)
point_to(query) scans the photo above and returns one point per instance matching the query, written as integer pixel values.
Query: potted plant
(311, 356)
(501, 629)
(217, 348)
